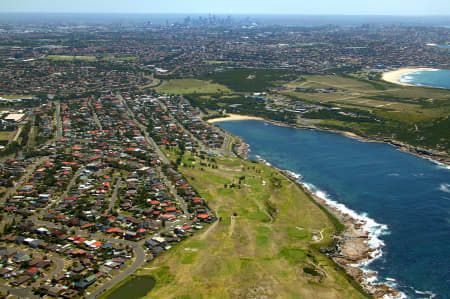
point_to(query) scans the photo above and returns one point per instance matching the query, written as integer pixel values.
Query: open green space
(4, 135)
(186, 86)
(70, 58)
(251, 80)
(14, 97)
(261, 245)
(88, 58)
(123, 58)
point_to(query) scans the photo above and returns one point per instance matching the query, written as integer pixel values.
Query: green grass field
(126, 58)
(70, 58)
(251, 80)
(186, 86)
(260, 247)
(88, 58)
(14, 97)
(4, 135)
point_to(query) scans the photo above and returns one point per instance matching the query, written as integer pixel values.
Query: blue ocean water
(435, 78)
(408, 196)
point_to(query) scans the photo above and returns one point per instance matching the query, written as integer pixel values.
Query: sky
(327, 7)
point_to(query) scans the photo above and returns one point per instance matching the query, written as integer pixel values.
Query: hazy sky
(386, 7)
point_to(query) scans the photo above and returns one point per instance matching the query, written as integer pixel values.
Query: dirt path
(208, 230)
(232, 224)
(17, 134)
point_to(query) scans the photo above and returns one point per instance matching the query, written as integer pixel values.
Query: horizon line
(223, 13)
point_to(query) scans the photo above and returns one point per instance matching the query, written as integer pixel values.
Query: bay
(407, 196)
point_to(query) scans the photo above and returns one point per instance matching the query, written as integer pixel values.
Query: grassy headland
(266, 242)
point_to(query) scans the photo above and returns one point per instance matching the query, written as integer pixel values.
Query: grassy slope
(184, 86)
(251, 255)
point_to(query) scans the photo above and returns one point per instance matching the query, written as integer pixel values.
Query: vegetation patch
(251, 80)
(299, 234)
(293, 255)
(187, 86)
(70, 58)
(311, 271)
(189, 258)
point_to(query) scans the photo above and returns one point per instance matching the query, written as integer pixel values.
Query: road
(25, 292)
(71, 183)
(19, 292)
(138, 262)
(172, 118)
(96, 120)
(58, 121)
(149, 140)
(114, 194)
(59, 269)
(163, 157)
(65, 193)
(30, 169)
(16, 136)
(172, 190)
(139, 254)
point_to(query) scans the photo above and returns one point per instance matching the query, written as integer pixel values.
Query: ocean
(405, 199)
(434, 78)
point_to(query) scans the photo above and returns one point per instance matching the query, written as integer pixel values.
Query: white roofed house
(16, 117)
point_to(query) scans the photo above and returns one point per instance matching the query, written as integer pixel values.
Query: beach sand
(394, 76)
(234, 117)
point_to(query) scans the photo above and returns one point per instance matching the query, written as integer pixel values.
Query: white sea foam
(428, 293)
(393, 174)
(445, 188)
(297, 176)
(374, 229)
(441, 165)
(406, 79)
(262, 160)
(399, 296)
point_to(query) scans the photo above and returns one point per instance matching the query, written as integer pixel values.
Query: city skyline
(325, 7)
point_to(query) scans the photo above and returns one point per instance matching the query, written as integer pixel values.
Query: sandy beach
(234, 117)
(394, 76)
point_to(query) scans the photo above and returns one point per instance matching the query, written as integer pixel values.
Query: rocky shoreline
(443, 158)
(351, 249)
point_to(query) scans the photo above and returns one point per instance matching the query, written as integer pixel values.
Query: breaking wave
(445, 188)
